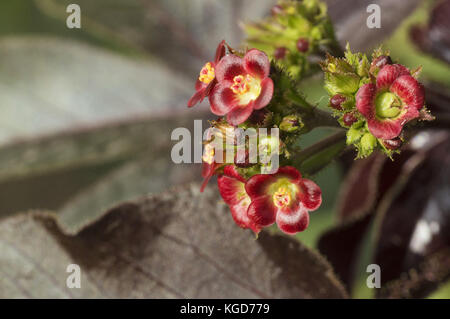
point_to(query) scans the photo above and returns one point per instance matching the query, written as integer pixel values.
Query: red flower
(395, 100)
(232, 189)
(207, 77)
(243, 86)
(284, 197)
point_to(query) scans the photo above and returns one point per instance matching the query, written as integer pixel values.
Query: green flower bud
(291, 123)
(368, 144)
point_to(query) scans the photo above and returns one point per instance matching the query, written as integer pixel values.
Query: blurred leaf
(350, 18)
(177, 244)
(184, 33)
(23, 17)
(49, 85)
(418, 282)
(55, 172)
(434, 38)
(151, 174)
(443, 292)
(350, 246)
(403, 49)
(413, 222)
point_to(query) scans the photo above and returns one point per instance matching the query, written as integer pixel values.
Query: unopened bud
(379, 63)
(393, 144)
(336, 101)
(291, 123)
(368, 143)
(302, 45)
(349, 119)
(280, 53)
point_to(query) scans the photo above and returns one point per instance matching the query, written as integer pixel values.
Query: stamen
(281, 198)
(207, 73)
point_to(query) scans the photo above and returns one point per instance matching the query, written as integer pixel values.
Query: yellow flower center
(246, 87)
(282, 197)
(208, 154)
(207, 73)
(241, 84)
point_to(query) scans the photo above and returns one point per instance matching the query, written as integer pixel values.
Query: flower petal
(239, 213)
(228, 67)
(231, 190)
(196, 98)
(390, 128)
(410, 91)
(389, 73)
(257, 63)
(293, 221)
(266, 94)
(365, 100)
(310, 195)
(386, 129)
(290, 172)
(220, 52)
(207, 172)
(261, 212)
(231, 171)
(222, 100)
(257, 185)
(199, 85)
(240, 114)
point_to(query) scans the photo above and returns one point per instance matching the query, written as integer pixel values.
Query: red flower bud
(302, 45)
(381, 61)
(349, 119)
(393, 144)
(336, 102)
(280, 53)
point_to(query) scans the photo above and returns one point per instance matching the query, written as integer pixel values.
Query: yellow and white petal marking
(247, 88)
(207, 73)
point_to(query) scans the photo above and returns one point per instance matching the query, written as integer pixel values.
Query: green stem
(319, 118)
(317, 156)
(311, 115)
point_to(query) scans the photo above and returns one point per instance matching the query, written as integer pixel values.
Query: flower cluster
(373, 100)
(284, 197)
(295, 31)
(241, 90)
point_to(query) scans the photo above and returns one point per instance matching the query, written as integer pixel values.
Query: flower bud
(393, 144)
(368, 143)
(336, 101)
(291, 123)
(379, 63)
(280, 53)
(349, 119)
(302, 45)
